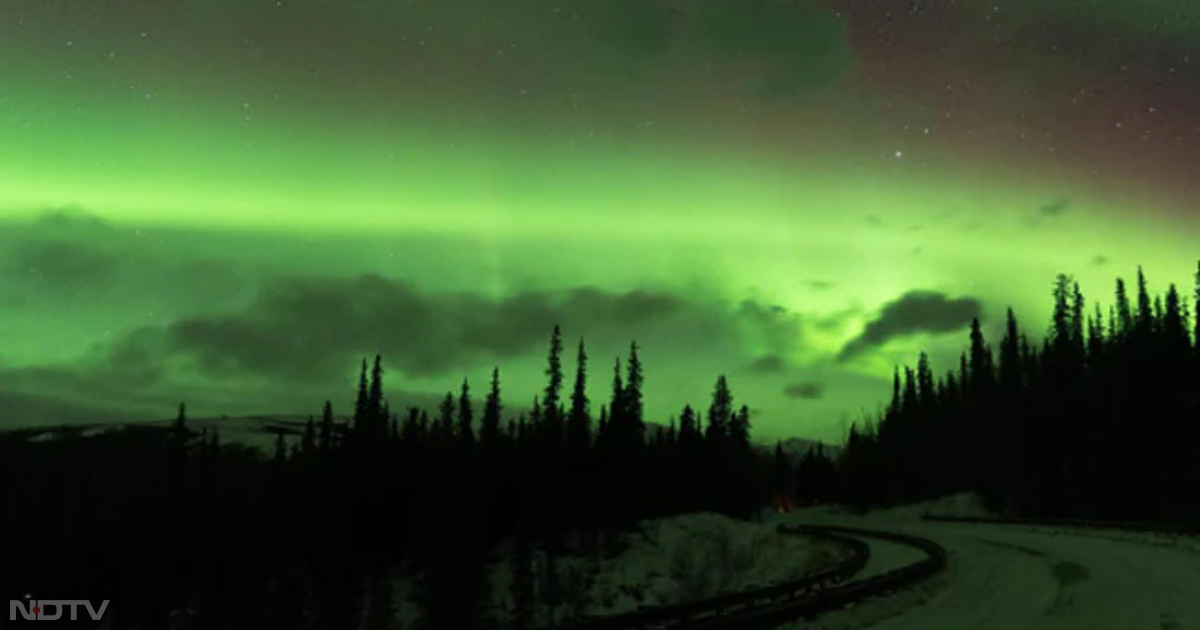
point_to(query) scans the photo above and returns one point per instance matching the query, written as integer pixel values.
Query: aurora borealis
(228, 202)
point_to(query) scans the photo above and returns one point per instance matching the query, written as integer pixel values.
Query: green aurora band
(820, 206)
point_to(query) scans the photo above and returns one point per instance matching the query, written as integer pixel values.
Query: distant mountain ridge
(795, 447)
(260, 430)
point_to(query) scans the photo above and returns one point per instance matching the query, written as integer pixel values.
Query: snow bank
(695, 556)
(667, 561)
(963, 504)
(868, 613)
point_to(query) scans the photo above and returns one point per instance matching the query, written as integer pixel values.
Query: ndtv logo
(36, 609)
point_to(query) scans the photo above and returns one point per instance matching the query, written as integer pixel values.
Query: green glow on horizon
(191, 176)
(735, 219)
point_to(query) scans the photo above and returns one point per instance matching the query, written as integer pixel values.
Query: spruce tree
(1010, 356)
(1144, 320)
(953, 392)
(308, 444)
(537, 422)
(689, 431)
(982, 372)
(553, 421)
(602, 434)
(981, 429)
(1124, 318)
(466, 431)
(632, 399)
(739, 428)
(894, 405)
(1174, 327)
(1196, 312)
(326, 441)
(927, 394)
(782, 476)
(424, 424)
(719, 412)
(411, 432)
(375, 416)
(1078, 340)
(445, 428)
(578, 428)
(181, 420)
(362, 401)
(489, 429)
(614, 428)
(1095, 338)
(616, 404)
(1061, 325)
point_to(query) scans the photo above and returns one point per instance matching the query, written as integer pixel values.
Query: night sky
(229, 202)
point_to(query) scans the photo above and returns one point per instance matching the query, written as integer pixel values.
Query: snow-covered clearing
(1001, 577)
(671, 560)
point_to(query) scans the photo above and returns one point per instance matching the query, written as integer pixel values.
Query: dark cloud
(303, 330)
(90, 394)
(62, 265)
(805, 391)
(772, 326)
(1048, 210)
(294, 344)
(30, 410)
(767, 364)
(61, 251)
(63, 254)
(912, 313)
(70, 221)
(1054, 208)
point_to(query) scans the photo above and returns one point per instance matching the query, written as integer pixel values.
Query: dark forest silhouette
(227, 537)
(1102, 420)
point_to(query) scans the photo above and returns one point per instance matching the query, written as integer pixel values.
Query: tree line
(1101, 419)
(179, 529)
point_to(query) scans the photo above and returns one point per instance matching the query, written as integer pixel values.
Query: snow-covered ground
(1001, 577)
(671, 560)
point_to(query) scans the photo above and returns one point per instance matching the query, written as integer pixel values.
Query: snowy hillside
(255, 431)
(797, 447)
(260, 432)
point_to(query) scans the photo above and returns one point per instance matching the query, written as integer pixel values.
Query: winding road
(1010, 577)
